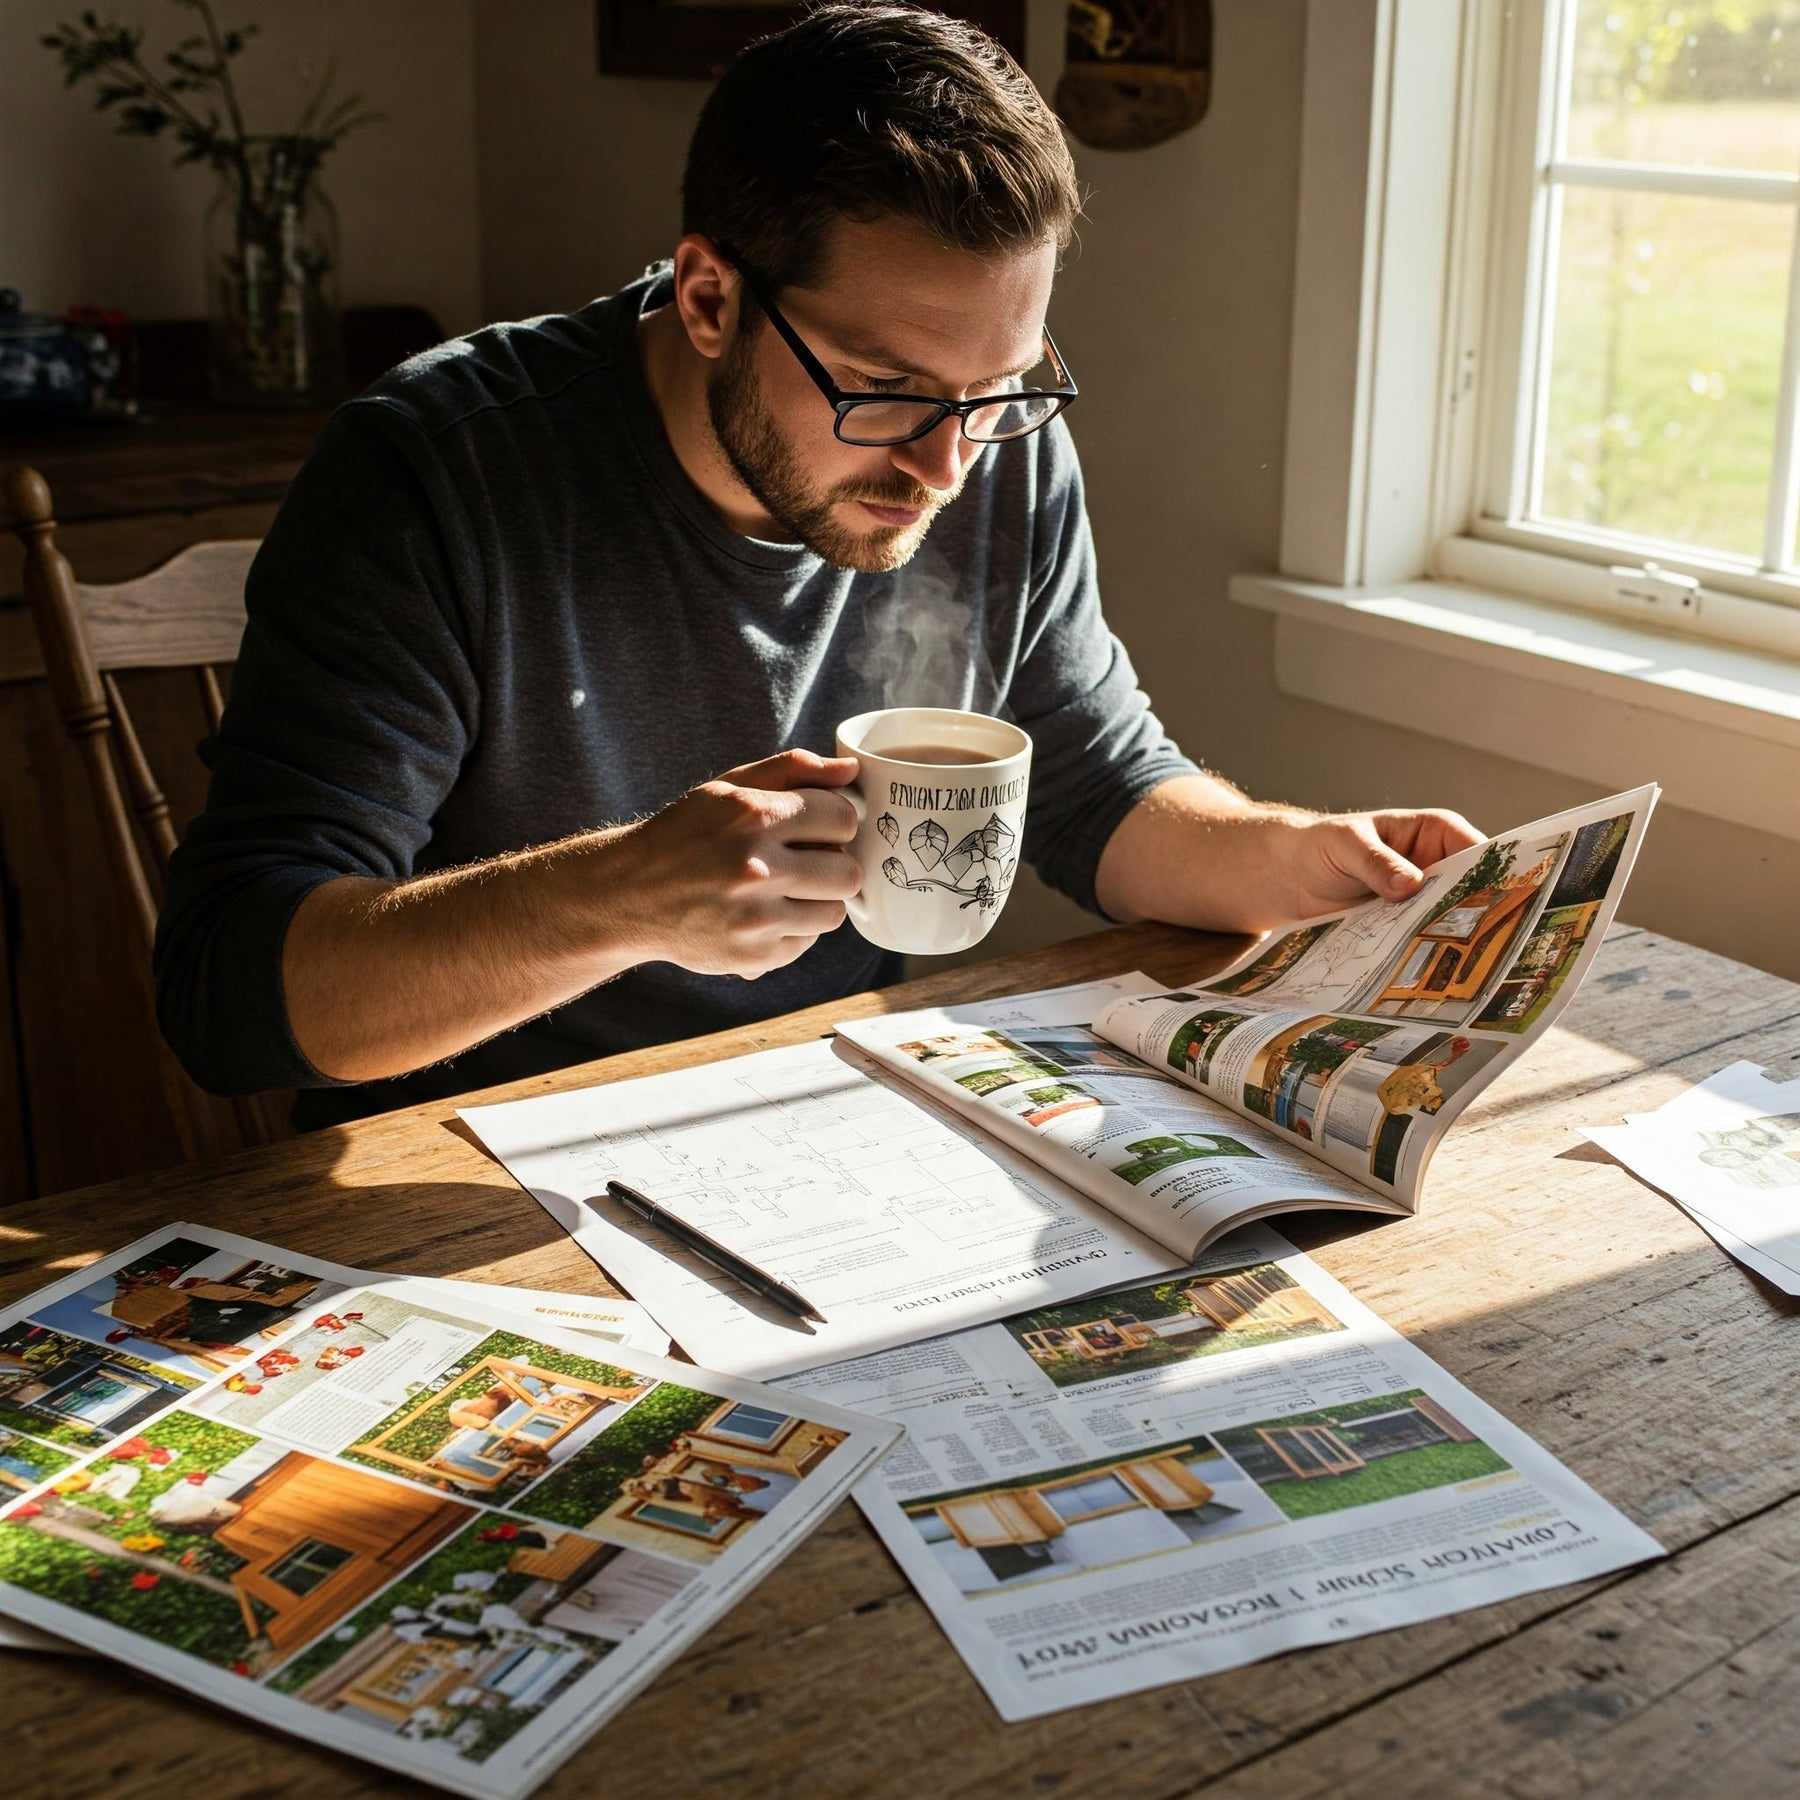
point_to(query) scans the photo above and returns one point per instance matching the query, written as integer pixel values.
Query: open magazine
(1323, 1068)
(396, 1517)
(937, 1170)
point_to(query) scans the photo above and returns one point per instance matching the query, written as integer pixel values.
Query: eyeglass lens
(872, 422)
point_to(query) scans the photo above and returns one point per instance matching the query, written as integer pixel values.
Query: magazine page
(1362, 1036)
(1727, 1152)
(396, 1522)
(1030, 1071)
(1181, 1477)
(621, 1321)
(895, 1220)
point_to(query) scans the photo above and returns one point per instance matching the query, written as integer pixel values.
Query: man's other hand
(1344, 858)
(743, 874)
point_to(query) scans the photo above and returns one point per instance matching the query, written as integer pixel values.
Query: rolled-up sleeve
(355, 698)
(1098, 749)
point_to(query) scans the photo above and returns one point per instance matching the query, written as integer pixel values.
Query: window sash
(1533, 46)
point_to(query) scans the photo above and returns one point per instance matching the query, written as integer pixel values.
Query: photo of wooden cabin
(503, 1424)
(474, 1642)
(1359, 1452)
(715, 1481)
(1168, 1322)
(318, 1539)
(1454, 958)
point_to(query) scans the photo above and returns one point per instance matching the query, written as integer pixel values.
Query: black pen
(710, 1250)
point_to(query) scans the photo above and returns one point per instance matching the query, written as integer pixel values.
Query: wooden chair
(188, 613)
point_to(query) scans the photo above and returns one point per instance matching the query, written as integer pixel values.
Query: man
(535, 589)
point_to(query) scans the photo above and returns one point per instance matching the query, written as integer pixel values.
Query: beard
(764, 461)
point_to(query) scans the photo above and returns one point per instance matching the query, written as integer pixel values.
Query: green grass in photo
(180, 1615)
(1151, 1156)
(1405, 1472)
(24, 1462)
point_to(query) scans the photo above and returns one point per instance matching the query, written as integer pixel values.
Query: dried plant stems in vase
(271, 232)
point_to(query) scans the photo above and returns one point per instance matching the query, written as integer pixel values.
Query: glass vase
(271, 279)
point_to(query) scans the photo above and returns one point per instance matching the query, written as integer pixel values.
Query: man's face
(893, 310)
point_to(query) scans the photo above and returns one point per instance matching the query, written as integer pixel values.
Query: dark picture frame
(676, 39)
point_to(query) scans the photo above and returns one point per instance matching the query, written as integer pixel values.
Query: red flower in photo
(354, 1349)
(499, 1534)
(129, 1450)
(328, 1322)
(240, 1668)
(29, 1510)
(160, 1458)
(194, 1477)
(144, 1580)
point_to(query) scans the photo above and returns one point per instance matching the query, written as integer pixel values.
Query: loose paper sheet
(1193, 1473)
(1727, 1152)
(384, 1514)
(895, 1219)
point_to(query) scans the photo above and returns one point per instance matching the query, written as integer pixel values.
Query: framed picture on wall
(695, 39)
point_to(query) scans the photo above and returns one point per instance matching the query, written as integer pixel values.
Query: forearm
(737, 877)
(381, 977)
(1195, 851)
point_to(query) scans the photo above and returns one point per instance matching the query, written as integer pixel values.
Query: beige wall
(89, 216)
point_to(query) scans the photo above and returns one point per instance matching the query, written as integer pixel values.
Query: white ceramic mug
(938, 831)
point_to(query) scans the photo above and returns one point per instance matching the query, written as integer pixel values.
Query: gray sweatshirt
(493, 611)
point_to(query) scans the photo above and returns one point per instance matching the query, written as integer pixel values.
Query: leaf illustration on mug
(973, 868)
(929, 840)
(889, 827)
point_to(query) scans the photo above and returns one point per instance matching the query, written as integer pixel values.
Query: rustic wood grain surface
(1581, 1304)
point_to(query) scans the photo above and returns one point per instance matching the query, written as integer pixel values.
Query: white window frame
(1531, 67)
(1407, 588)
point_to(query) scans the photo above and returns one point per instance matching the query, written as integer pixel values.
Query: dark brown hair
(862, 111)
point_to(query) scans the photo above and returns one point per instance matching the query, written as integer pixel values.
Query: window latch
(1652, 588)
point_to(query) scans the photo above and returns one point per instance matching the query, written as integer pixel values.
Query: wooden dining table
(1583, 1305)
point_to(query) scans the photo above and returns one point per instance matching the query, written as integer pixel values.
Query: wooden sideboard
(79, 1096)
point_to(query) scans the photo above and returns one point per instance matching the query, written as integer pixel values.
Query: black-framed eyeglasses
(872, 420)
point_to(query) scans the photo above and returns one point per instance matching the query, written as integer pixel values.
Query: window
(1468, 515)
(95, 1398)
(750, 1425)
(310, 1562)
(689, 1524)
(408, 1682)
(1644, 348)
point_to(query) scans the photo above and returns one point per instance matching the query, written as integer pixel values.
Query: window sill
(1603, 699)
